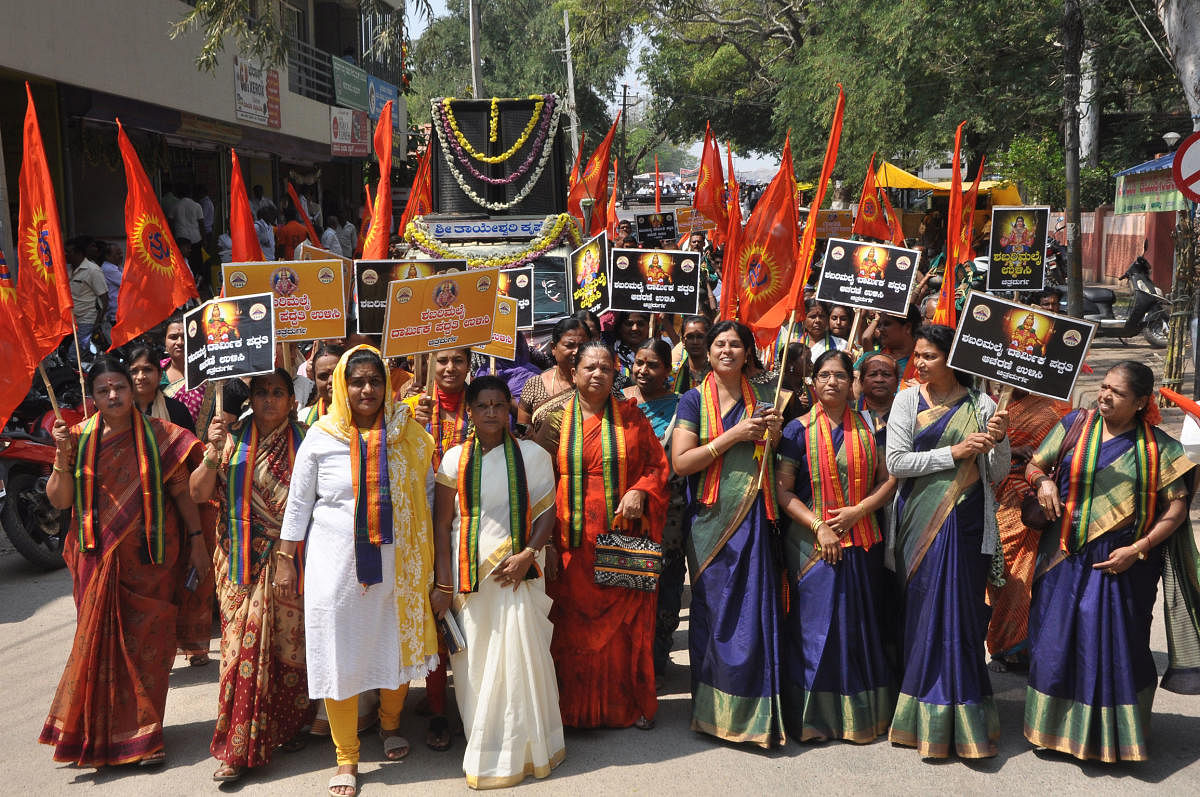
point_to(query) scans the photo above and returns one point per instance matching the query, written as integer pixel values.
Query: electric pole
(476, 67)
(1072, 36)
(624, 143)
(571, 110)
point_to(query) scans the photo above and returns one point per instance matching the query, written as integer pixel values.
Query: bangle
(712, 449)
(60, 469)
(532, 550)
(816, 524)
(284, 554)
(211, 464)
(197, 533)
(443, 586)
(1140, 553)
(444, 590)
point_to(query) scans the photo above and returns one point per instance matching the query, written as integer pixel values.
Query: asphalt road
(37, 620)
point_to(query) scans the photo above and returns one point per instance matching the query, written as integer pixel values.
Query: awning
(1148, 188)
(1162, 163)
(891, 176)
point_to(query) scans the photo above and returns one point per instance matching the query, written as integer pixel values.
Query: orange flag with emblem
(17, 358)
(246, 248)
(730, 265)
(157, 279)
(709, 198)
(946, 314)
(420, 196)
(375, 247)
(897, 229)
(43, 284)
(871, 221)
(593, 183)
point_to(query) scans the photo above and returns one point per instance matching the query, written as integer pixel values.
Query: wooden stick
(492, 364)
(1005, 394)
(854, 343)
(79, 365)
(219, 399)
(50, 392)
(430, 383)
(783, 358)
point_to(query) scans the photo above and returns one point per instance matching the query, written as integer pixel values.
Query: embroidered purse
(623, 560)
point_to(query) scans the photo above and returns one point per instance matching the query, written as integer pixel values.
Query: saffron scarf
(446, 435)
(470, 502)
(712, 426)
(149, 472)
(240, 487)
(862, 458)
(1077, 509)
(372, 501)
(570, 463)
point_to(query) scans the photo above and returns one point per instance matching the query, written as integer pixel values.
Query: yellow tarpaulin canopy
(891, 176)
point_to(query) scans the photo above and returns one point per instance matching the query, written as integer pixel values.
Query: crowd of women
(855, 527)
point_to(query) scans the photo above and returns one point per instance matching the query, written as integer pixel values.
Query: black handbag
(623, 560)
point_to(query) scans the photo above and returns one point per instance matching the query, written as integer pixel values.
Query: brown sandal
(438, 736)
(227, 773)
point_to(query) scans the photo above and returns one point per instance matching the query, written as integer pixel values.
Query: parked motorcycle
(1149, 312)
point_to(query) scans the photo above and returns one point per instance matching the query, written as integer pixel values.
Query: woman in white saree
(492, 516)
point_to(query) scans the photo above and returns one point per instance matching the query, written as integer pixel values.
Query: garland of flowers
(534, 176)
(556, 230)
(494, 121)
(539, 103)
(543, 138)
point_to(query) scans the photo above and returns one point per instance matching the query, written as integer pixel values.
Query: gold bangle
(284, 554)
(59, 469)
(443, 586)
(1140, 553)
(211, 464)
(712, 449)
(444, 590)
(816, 524)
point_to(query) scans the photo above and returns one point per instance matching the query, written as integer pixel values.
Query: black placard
(229, 337)
(551, 289)
(589, 275)
(371, 278)
(1017, 254)
(655, 281)
(867, 275)
(517, 283)
(1020, 345)
(657, 230)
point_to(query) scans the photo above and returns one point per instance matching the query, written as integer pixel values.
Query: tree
(1181, 23)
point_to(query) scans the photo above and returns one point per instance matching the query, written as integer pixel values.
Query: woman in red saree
(137, 534)
(611, 471)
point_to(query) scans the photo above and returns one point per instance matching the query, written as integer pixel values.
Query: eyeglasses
(832, 376)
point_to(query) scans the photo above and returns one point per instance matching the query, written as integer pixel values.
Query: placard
(306, 251)
(656, 230)
(503, 344)
(690, 220)
(225, 338)
(589, 275)
(440, 312)
(551, 289)
(1017, 254)
(310, 295)
(867, 275)
(655, 281)
(517, 284)
(371, 278)
(1019, 345)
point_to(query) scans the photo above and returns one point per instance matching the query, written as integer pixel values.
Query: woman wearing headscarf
(136, 536)
(1119, 489)
(722, 429)
(946, 443)
(145, 369)
(357, 501)
(198, 400)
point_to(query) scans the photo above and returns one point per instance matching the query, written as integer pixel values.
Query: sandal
(199, 660)
(643, 724)
(395, 746)
(153, 760)
(438, 736)
(295, 744)
(344, 780)
(227, 773)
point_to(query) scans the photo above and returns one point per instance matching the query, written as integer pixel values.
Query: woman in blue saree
(1120, 492)
(722, 429)
(946, 443)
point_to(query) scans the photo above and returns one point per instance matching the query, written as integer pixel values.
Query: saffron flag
(612, 203)
(773, 319)
(157, 279)
(945, 313)
(42, 281)
(375, 247)
(593, 183)
(893, 220)
(968, 233)
(574, 178)
(17, 358)
(709, 197)
(246, 248)
(871, 221)
(302, 212)
(730, 265)
(657, 187)
(420, 196)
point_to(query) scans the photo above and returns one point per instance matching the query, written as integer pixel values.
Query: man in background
(113, 260)
(89, 292)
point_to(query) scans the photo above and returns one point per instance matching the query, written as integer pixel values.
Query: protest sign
(228, 337)
(589, 275)
(1017, 255)
(306, 251)
(690, 220)
(371, 278)
(503, 344)
(517, 284)
(656, 230)
(655, 281)
(310, 298)
(867, 275)
(551, 289)
(440, 312)
(1019, 345)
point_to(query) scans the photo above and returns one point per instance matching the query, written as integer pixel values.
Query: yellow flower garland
(417, 233)
(494, 120)
(520, 142)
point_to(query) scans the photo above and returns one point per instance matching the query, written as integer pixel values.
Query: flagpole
(50, 391)
(79, 363)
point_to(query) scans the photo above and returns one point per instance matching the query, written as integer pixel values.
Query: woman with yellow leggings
(357, 502)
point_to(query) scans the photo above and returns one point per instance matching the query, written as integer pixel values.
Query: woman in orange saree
(138, 535)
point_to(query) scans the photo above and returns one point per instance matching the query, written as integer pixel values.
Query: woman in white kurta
(357, 500)
(491, 519)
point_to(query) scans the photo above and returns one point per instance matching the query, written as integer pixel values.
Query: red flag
(770, 322)
(612, 203)
(16, 348)
(593, 183)
(302, 212)
(157, 279)
(574, 178)
(709, 198)
(945, 313)
(375, 247)
(871, 221)
(246, 248)
(657, 187)
(420, 196)
(968, 233)
(894, 224)
(730, 265)
(43, 284)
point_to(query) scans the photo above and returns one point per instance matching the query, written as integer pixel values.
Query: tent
(1147, 188)
(889, 175)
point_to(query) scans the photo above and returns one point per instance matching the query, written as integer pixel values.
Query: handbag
(623, 560)
(1032, 514)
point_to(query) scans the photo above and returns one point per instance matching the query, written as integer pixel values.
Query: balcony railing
(309, 72)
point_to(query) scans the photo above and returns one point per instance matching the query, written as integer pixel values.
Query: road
(37, 621)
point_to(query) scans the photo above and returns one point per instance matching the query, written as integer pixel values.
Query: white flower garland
(534, 176)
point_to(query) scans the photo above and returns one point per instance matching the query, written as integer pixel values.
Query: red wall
(1106, 256)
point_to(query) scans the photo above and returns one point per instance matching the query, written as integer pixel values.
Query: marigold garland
(539, 104)
(556, 230)
(494, 121)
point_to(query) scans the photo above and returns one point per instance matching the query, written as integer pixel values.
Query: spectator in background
(264, 225)
(207, 209)
(169, 200)
(258, 201)
(290, 233)
(89, 291)
(186, 226)
(311, 205)
(329, 236)
(114, 258)
(347, 236)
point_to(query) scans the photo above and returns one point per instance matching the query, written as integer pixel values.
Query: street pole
(624, 151)
(571, 109)
(476, 68)
(1072, 35)
(5, 220)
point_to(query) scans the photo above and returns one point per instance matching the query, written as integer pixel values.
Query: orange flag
(657, 187)
(871, 221)
(945, 313)
(730, 265)
(612, 203)
(968, 234)
(375, 247)
(593, 183)
(16, 349)
(246, 248)
(774, 318)
(420, 196)
(157, 279)
(574, 178)
(894, 224)
(709, 197)
(303, 214)
(42, 281)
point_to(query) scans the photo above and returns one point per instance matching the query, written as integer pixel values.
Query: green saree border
(1065, 725)
(928, 727)
(754, 720)
(859, 718)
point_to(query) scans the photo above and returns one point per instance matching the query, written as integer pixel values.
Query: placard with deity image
(589, 275)
(231, 337)
(371, 278)
(1020, 345)
(655, 281)
(867, 275)
(656, 229)
(1017, 255)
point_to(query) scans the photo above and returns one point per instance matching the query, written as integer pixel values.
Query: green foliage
(1037, 165)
